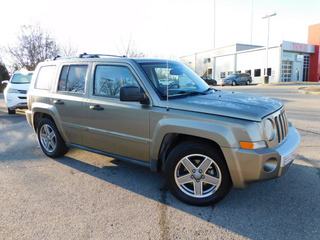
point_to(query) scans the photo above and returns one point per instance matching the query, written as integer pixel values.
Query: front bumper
(249, 166)
(14, 101)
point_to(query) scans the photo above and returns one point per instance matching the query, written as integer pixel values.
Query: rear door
(243, 78)
(69, 101)
(120, 128)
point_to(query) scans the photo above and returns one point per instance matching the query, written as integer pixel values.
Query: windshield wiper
(205, 92)
(208, 90)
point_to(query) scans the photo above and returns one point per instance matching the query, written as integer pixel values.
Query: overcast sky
(160, 27)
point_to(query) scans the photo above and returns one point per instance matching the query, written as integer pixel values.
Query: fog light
(270, 165)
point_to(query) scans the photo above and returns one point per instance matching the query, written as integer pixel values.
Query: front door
(120, 128)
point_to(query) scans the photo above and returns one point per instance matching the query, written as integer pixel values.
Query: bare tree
(67, 50)
(130, 49)
(34, 46)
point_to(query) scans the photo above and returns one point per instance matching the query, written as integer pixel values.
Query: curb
(289, 84)
(308, 91)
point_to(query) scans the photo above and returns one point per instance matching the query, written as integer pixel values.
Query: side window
(45, 77)
(72, 78)
(109, 79)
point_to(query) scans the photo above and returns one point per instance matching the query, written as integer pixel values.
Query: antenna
(167, 85)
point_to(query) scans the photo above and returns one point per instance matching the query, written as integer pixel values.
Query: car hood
(230, 104)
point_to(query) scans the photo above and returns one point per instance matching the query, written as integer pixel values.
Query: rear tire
(50, 139)
(196, 173)
(234, 83)
(248, 82)
(11, 111)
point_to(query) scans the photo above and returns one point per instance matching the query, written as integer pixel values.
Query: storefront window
(257, 72)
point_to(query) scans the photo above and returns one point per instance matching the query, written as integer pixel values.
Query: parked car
(165, 82)
(209, 80)
(204, 140)
(236, 79)
(15, 94)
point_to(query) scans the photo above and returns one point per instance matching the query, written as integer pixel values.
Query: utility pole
(251, 20)
(266, 79)
(214, 39)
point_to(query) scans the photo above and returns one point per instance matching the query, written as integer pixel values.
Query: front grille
(23, 91)
(281, 125)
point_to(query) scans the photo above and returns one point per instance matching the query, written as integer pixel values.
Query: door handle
(96, 107)
(59, 102)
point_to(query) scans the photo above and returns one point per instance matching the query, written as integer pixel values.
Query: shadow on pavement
(264, 210)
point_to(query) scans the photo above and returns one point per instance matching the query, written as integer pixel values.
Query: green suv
(203, 139)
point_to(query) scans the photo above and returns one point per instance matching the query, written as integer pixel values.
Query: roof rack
(59, 57)
(86, 55)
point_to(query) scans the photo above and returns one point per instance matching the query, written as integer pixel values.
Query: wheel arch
(171, 140)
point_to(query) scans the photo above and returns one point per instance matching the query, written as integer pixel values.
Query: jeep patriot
(204, 140)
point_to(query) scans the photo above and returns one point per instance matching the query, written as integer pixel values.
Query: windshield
(174, 78)
(21, 78)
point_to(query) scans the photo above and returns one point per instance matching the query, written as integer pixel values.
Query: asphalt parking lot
(89, 196)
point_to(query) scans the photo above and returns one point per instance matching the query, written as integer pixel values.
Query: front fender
(222, 135)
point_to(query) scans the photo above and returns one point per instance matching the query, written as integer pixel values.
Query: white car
(15, 94)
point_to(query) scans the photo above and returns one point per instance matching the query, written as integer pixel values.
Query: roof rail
(86, 55)
(59, 57)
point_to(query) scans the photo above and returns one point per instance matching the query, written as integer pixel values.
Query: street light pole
(214, 24)
(267, 48)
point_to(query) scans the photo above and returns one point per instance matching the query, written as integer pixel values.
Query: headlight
(269, 129)
(11, 90)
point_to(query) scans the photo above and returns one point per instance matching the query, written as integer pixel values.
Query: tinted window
(109, 79)
(45, 77)
(72, 78)
(63, 79)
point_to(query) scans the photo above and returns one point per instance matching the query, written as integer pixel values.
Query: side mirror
(133, 94)
(5, 82)
(175, 71)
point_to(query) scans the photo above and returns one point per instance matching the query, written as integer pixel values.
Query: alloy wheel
(197, 176)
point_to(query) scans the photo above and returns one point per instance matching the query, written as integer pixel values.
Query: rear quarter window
(45, 77)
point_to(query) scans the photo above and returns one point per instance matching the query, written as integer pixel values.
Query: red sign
(300, 47)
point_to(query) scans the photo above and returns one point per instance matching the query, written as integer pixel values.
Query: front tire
(50, 139)
(234, 83)
(11, 111)
(196, 173)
